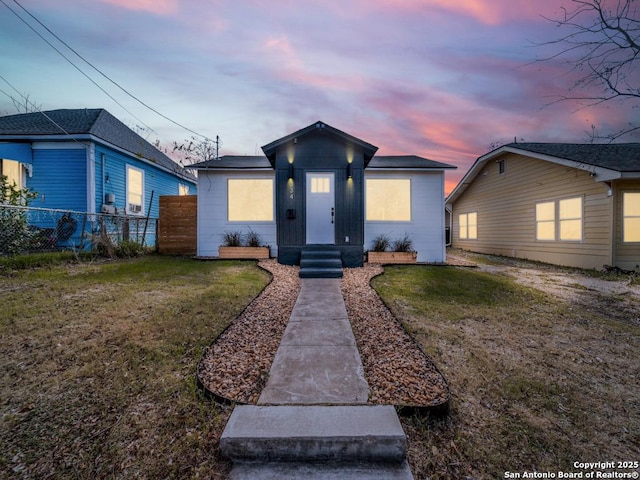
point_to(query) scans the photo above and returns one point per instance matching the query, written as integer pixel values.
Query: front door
(320, 208)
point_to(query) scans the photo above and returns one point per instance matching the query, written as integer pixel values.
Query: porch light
(290, 171)
(349, 174)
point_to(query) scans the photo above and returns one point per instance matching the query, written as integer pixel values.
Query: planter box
(392, 257)
(243, 252)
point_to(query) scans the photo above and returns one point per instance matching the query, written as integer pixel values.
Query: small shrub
(381, 243)
(252, 239)
(232, 239)
(404, 244)
(129, 249)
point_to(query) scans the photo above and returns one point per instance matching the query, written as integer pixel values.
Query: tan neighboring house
(567, 204)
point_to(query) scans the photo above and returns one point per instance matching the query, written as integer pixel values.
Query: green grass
(98, 363)
(536, 383)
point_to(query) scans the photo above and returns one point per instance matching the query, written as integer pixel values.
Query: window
(570, 217)
(13, 171)
(568, 226)
(320, 185)
(631, 217)
(388, 200)
(501, 169)
(468, 226)
(250, 200)
(183, 189)
(546, 221)
(135, 190)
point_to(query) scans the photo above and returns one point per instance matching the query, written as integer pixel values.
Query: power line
(39, 111)
(105, 75)
(74, 65)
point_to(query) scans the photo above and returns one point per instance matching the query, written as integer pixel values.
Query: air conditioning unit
(135, 208)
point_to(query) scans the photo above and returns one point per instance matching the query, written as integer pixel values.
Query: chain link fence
(26, 230)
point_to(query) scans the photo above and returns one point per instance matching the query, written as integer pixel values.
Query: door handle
(333, 214)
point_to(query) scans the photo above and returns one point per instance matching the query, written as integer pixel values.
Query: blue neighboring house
(86, 160)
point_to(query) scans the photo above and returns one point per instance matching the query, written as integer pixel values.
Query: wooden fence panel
(177, 229)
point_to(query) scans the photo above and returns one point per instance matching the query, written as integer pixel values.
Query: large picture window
(135, 190)
(631, 217)
(250, 200)
(468, 226)
(388, 199)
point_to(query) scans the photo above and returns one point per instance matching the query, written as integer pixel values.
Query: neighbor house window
(561, 219)
(570, 218)
(501, 168)
(13, 171)
(546, 221)
(388, 199)
(468, 226)
(631, 216)
(250, 200)
(135, 190)
(183, 189)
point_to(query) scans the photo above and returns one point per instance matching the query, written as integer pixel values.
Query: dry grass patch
(98, 364)
(537, 383)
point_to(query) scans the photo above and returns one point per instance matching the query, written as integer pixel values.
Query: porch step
(355, 435)
(320, 261)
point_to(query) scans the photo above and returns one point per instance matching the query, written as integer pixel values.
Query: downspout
(103, 159)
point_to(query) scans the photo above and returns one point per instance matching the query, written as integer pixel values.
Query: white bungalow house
(322, 186)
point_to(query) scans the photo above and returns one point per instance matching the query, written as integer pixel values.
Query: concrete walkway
(312, 420)
(317, 361)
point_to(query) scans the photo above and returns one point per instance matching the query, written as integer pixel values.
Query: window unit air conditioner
(135, 208)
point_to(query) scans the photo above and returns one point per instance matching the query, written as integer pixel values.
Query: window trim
(21, 180)
(552, 221)
(128, 210)
(624, 217)
(467, 226)
(557, 221)
(571, 219)
(273, 200)
(386, 178)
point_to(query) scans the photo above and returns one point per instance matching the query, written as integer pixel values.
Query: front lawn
(537, 383)
(98, 363)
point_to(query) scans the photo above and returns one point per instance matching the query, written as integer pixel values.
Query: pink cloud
(159, 7)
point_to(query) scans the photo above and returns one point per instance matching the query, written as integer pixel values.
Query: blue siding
(115, 165)
(20, 152)
(60, 179)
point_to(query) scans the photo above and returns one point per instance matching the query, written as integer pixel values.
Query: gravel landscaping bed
(398, 371)
(236, 366)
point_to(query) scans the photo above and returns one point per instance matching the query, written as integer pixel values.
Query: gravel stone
(236, 366)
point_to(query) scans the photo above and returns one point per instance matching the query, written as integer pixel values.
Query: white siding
(212, 212)
(426, 228)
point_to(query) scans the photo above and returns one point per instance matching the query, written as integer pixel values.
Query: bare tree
(24, 104)
(194, 150)
(602, 46)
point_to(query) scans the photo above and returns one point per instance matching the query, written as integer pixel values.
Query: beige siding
(506, 212)
(627, 255)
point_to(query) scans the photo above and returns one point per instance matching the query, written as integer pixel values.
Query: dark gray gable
(621, 157)
(368, 149)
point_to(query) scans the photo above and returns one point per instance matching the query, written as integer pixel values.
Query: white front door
(320, 208)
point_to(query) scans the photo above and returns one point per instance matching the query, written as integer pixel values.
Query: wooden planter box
(392, 257)
(243, 252)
